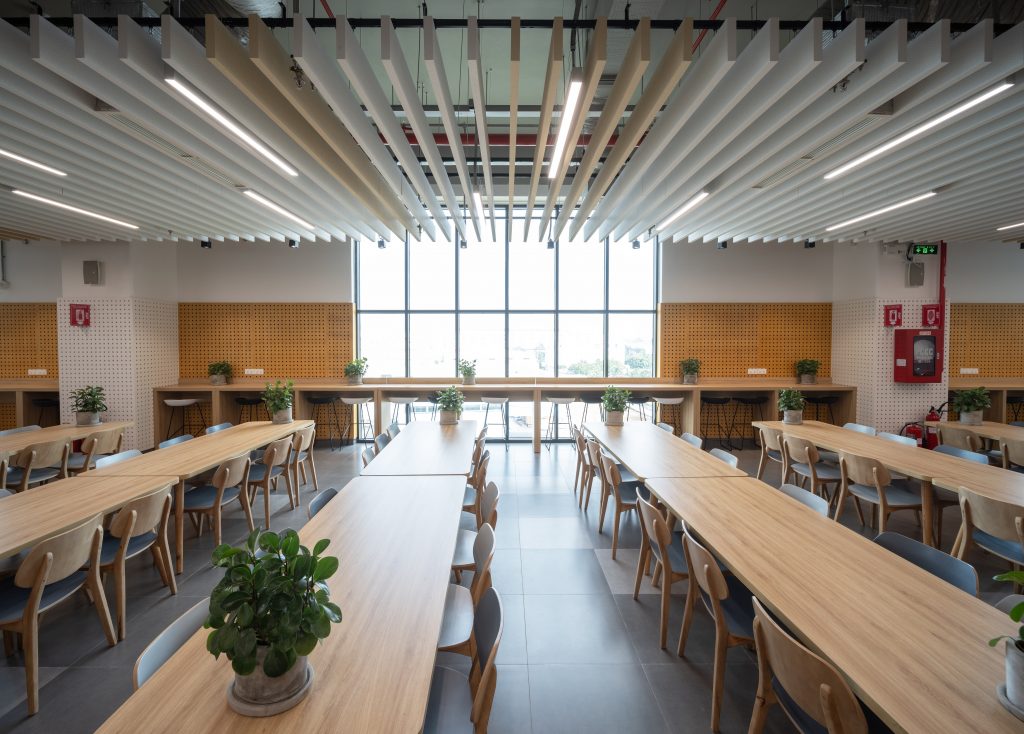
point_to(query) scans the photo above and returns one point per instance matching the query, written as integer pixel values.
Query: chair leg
(120, 596)
(266, 503)
(312, 469)
(30, 646)
(759, 716)
(615, 532)
(691, 601)
(215, 521)
(641, 567)
(292, 490)
(243, 498)
(99, 600)
(666, 600)
(721, 648)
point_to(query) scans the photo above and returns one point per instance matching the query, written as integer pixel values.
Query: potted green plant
(267, 614)
(355, 370)
(88, 402)
(807, 371)
(791, 403)
(467, 369)
(971, 404)
(1013, 689)
(219, 372)
(614, 400)
(449, 403)
(278, 399)
(690, 368)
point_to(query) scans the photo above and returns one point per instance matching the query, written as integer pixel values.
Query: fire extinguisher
(931, 433)
(913, 430)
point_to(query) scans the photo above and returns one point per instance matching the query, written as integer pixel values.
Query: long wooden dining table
(395, 537)
(427, 448)
(913, 647)
(15, 442)
(986, 429)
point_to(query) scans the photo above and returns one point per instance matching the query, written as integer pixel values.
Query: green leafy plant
(89, 399)
(807, 367)
(690, 366)
(273, 595)
(615, 399)
(450, 399)
(277, 396)
(1016, 614)
(791, 400)
(970, 400)
(219, 368)
(357, 367)
(467, 368)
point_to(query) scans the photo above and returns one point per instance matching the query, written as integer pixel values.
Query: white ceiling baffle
(551, 85)
(479, 97)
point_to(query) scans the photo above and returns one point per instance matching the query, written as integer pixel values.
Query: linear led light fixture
(683, 209)
(919, 130)
(572, 98)
(1009, 226)
(75, 209)
(278, 208)
(478, 204)
(228, 124)
(883, 210)
(30, 162)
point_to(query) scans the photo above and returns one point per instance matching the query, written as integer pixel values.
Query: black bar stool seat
(713, 409)
(821, 402)
(247, 407)
(639, 403)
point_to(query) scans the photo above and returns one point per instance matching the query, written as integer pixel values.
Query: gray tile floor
(578, 653)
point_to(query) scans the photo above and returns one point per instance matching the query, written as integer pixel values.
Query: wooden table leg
(536, 422)
(179, 525)
(927, 512)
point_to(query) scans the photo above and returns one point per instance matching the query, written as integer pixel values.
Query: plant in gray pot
(219, 372)
(88, 402)
(278, 399)
(467, 369)
(971, 405)
(614, 401)
(267, 614)
(355, 370)
(807, 371)
(791, 403)
(1011, 693)
(690, 368)
(449, 404)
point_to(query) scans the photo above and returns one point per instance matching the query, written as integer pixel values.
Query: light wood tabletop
(395, 537)
(29, 517)
(913, 647)
(427, 448)
(649, 451)
(15, 442)
(987, 429)
(196, 456)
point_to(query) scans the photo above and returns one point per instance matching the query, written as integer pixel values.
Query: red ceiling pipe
(704, 31)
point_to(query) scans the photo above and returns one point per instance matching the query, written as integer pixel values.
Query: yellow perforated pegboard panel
(986, 336)
(29, 339)
(8, 416)
(729, 338)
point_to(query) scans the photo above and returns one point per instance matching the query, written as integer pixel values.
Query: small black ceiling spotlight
(636, 244)
(463, 244)
(294, 244)
(206, 244)
(1021, 245)
(809, 244)
(723, 245)
(551, 244)
(381, 243)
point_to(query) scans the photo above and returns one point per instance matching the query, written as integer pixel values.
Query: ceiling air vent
(829, 146)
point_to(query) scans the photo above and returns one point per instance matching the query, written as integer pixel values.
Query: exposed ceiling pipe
(704, 31)
(501, 140)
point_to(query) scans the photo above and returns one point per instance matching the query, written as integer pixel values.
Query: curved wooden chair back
(480, 475)
(1013, 453)
(581, 446)
(483, 554)
(771, 438)
(1001, 519)
(659, 536)
(56, 558)
(594, 454)
(489, 504)
(368, 454)
(108, 442)
(303, 439)
(959, 438)
(799, 451)
(704, 569)
(730, 459)
(160, 650)
(232, 472)
(381, 441)
(143, 515)
(39, 455)
(611, 473)
(118, 457)
(317, 503)
(488, 623)
(277, 453)
(813, 684)
(864, 470)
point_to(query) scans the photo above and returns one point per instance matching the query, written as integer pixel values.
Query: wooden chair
(175, 441)
(722, 455)
(116, 458)
(217, 428)
(368, 455)
(804, 496)
(992, 525)
(593, 471)
(301, 456)
(488, 510)
(393, 430)
(867, 479)
(52, 572)
(942, 565)
(812, 693)
(696, 441)
(475, 487)
(160, 650)
(670, 566)
(230, 482)
(100, 444)
(382, 440)
(771, 450)
(944, 498)
(959, 438)
(317, 503)
(729, 603)
(582, 465)
(35, 464)
(460, 603)
(461, 704)
(1012, 454)
(667, 427)
(139, 526)
(624, 493)
(264, 475)
(800, 459)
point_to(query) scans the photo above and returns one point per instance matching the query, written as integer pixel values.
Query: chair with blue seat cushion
(367, 455)
(139, 526)
(810, 691)
(623, 492)
(461, 704)
(992, 525)
(961, 438)
(868, 480)
(175, 441)
(317, 503)
(20, 429)
(265, 474)
(51, 573)
(960, 574)
(1008, 603)
(35, 464)
(771, 450)
(804, 496)
(897, 438)
(117, 458)
(168, 642)
(393, 430)
(666, 427)
(94, 446)
(666, 549)
(731, 459)
(382, 440)
(301, 459)
(217, 428)
(695, 441)
(1011, 452)
(728, 602)
(460, 602)
(945, 498)
(800, 459)
(229, 484)
(831, 456)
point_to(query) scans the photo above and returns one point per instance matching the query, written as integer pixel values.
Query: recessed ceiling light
(29, 162)
(75, 209)
(919, 130)
(572, 98)
(883, 210)
(278, 208)
(683, 209)
(1009, 226)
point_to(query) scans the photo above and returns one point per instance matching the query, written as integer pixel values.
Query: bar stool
(399, 401)
(1016, 403)
(588, 399)
(432, 399)
(821, 402)
(247, 407)
(638, 403)
(182, 404)
(53, 404)
(713, 410)
(555, 419)
(749, 403)
(326, 404)
(502, 403)
(357, 404)
(660, 403)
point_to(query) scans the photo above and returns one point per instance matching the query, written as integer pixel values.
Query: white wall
(33, 272)
(985, 272)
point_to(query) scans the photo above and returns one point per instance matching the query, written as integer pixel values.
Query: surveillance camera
(206, 244)
(294, 244)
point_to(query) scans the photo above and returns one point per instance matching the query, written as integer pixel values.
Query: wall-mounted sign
(893, 315)
(931, 316)
(80, 314)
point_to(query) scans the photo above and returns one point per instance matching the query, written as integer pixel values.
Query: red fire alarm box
(80, 315)
(918, 355)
